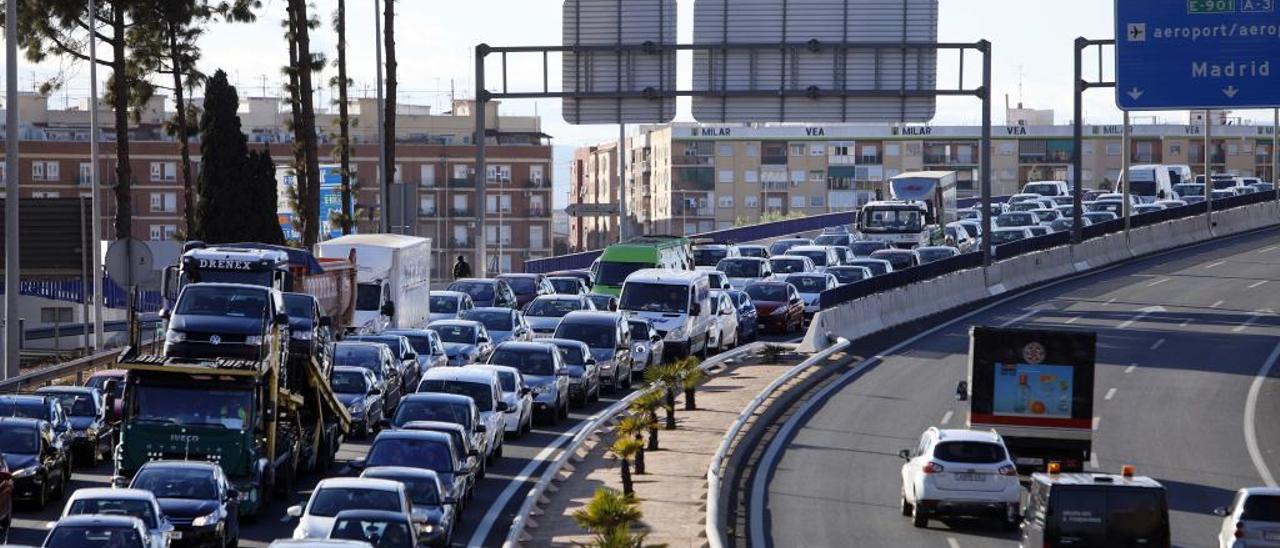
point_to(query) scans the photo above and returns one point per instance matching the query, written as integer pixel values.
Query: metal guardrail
(715, 529)
(585, 431)
(44, 375)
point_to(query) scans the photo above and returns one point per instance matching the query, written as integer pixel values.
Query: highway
(1182, 341)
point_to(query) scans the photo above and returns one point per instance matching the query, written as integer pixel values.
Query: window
(726, 150)
(817, 175)
(913, 149)
(427, 174)
(725, 202)
(892, 150)
(37, 170)
(797, 176)
(817, 201)
(164, 172)
(427, 205)
(797, 150)
(536, 235)
(1175, 149)
(84, 178)
(751, 176)
(1113, 149)
(164, 202)
(726, 176)
(817, 150)
(459, 202)
(1006, 148)
(841, 149)
(162, 232)
(497, 203)
(753, 150)
(55, 314)
(751, 202)
(461, 171)
(498, 173)
(774, 175)
(797, 202)
(460, 236)
(536, 207)
(870, 154)
(492, 232)
(535, 174)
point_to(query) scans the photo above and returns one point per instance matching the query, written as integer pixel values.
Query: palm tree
(634, 426)
(647, 404)
(693, 376)
(625, 449)
(608, 510)
(666, 377)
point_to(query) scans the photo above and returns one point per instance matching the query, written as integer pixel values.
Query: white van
(677, 302)
(1149, 182)
(1048, 189)
(1179, 174)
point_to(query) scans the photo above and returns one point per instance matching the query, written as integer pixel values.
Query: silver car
(502, 323)
(544, 373)
(136, 503)
(543, 313)
(449, 305)
(647, 345)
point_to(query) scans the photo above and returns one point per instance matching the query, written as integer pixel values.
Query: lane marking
(1217, 304)
(952, 542)
(1109, 301)
(1096, 420)
(1093, 461)
(1142, 313)
(1268, 249)
(1157, 344)
(1214, 265)
(1131, 367)
(1024, 316)
(1072, 320)
(1253, 317)
(1185, 322)
(1158, 282)
(1111, 393)
(1258, 284)
(1251, 411)
(947, 417)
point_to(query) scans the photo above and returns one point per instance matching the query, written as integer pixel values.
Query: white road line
(952, 542)
(1093, 461)
(1158, 282)
(1185, 322)
(1109, 301)
(1214, 265)
(1072, 320)
(1111, 393)
(1258, 284)
(1251, 411)
(1131, 367)
(1268, 249)
(1217, 304)
(1253, 317)
(946, 418)
(1157, 344)
(1023, 316)
(1142, 313)
(1096, 420)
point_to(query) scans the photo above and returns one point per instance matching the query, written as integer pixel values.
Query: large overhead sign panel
(643, 74)
(1192, 54)
(863, 82)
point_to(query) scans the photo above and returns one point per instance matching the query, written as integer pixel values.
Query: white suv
(1253, 519)
(959, 473)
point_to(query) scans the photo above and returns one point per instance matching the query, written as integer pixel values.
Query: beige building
(693, 178)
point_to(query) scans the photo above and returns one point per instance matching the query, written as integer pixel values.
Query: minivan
(221, 320)
(609, 338)
(1048, 189)
(1149, 182)
(679, 305)
(1083, 509)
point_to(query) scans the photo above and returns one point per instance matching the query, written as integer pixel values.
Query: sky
(1031, 41)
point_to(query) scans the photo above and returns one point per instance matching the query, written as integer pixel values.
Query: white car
(334, 495)
(789, 264)
(1252, 520)
(959, 473)
(544, 312)
(823, 256)
(138, 503)
(483, 386)
(810, 285)
(742, 271)
(725, 334)
(718, 279)
(519, 415)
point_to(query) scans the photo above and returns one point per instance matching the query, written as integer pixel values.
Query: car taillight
(1008, 470)
(932, 468)
(1239, 529)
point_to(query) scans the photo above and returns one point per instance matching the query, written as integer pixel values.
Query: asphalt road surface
(1182, 341)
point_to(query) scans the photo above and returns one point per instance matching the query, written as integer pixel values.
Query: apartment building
(434, 172)
(691, 178)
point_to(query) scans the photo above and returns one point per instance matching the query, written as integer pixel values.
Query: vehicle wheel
(906, 507)
(702, 354)
(626, 381)
(595, 395)
(5, 527)
(553, 416)
(62, 482)
(564, 411)
(498, 454)
(484, 467)
(918, 517)
(42, 495)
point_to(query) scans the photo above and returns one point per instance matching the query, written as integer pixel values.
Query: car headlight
(428, 528)
(357, 407)
(781, 310)
(639, 349)
(676, 334)
(301, 335)
(606, 365)
(253, 340)
(174, 337)
(26, 472)
(205, 520)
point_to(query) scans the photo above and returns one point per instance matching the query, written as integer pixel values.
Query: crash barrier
(899, 278)
(593, 428)
(73, 291)
(852, 312)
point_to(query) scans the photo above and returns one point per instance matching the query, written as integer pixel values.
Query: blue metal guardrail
(77, 329)
(73, 291)
(892, 280)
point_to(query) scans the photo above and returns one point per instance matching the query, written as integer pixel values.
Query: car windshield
(639, 330)
(572, 355)
(522, 284)
(900, 261)
(831, 239)
(819, 258)
(493, 320)
(100, 382)
(1045, 216)
(863, 249)
(392, 342)
(614, 273)
(930, 255)
(1015, 219)
(877, 267)
(566, 285)
(463, 334)
(328, 501)
(444, 305)
(1223, 184)
(1006, 236)
(603, 302)
(377, 533)
(646, 297)
(740, 268)
(848, 275)
(348, 382)
(596, 336)
(751, 251)
(19, 439)
(94, 537)
(235, 302)
(1262, 508)
(479, 291)
(529, 362)
(76, 405)
(420, 342)
(971, 229)
(481, 393)
(192, 405)
(137, 508)
(414, 453)
(808, 284)
(892, 219)
(298, 306)
(1041, 189)
(969, 452)
(176, 483)
(508, 381)
(787, 266)
(1143, 188)
(357, 355)
(709, 257)
(553, 308)
(767, 292)
(415, 409)
(1110, 206)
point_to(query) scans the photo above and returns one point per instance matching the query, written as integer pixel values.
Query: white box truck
(393, 279)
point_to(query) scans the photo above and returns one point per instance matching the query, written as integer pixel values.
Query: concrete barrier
(1144, 240)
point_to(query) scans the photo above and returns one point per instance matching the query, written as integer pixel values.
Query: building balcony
(537, 183)
(774, 159)
(494, 181)
(461, 182)
(944, 160)
(462, 212)
(460, 243)
(693, 160)
(774, 185)
(424, 212)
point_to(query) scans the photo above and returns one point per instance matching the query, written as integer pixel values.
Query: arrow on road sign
(1230, 92)
(1135, 93)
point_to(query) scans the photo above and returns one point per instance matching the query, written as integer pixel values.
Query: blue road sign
(1194, 54)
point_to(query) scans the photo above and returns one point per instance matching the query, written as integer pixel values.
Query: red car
(778, 306)
(527, 287)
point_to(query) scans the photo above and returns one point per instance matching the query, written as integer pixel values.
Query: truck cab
(199, 264)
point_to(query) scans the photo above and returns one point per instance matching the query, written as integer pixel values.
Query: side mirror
(655, 338)
(482, 429)
(502, 406)
(389, 309)
(326, 321)
(231, 495)
(375, 391)
(165, 313)
(411, 356)
(904, 454)
(695, 309)
(962, 391)
(482, 339)
(294, 511)
(1220, 511)
(282, 318)
(525, 391)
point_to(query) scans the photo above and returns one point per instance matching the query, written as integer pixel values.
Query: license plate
(175, 535)
(963, 476)
(1271, 535)
(1029, 461)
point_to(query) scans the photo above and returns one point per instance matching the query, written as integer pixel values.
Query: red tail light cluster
(1008, 470)
(932, 468)
(1239, 529)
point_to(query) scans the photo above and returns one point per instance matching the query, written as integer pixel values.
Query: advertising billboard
(1026, 390)
(330, 201)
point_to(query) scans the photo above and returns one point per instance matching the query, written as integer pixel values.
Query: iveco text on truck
(922, 202)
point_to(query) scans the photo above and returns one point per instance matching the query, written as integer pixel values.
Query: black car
(357, 389)
(433, 511)
(402, 349)
(418, 449)
(196, 498)
(41, 408)
(380, 528)
(376, 357)
(450, 408)
(309, 333)
(92, 433)
(486, 292)
(40, 466)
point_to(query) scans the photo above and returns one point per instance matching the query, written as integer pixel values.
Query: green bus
(619, 260)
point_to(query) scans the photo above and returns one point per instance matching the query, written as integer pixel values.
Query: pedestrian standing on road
(461, 269)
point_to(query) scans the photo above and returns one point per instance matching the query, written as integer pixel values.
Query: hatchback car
(464, 341)
(38, 462)
(503, 324)
(959, 473)
(453, 408)
(485, 389)
(377, 358)
(421, 449)
(486, 292)
(543, 313)
(123, 502)
(406, 358)
(810, 285)
(584, 375)
(930, 254)
(778, 306)
(449, 305)
(647, 344)
(748, 328)
(1252, 519)
(462, 484)
(196, 497)
(725, 333)
(518, 419)
(849, 274)
(379, 528)
(609, 339)
(544, 374)
(878, 267)
(333, 495)
(433, 512)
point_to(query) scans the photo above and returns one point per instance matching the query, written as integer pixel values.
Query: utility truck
(393, 279)
(921, 203)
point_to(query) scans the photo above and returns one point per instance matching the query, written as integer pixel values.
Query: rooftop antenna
(264, 85)
(1019, 86)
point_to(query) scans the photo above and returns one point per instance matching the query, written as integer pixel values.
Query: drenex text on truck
(1034, 387)
(331, 281)
(922, 201)
(620, 260)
